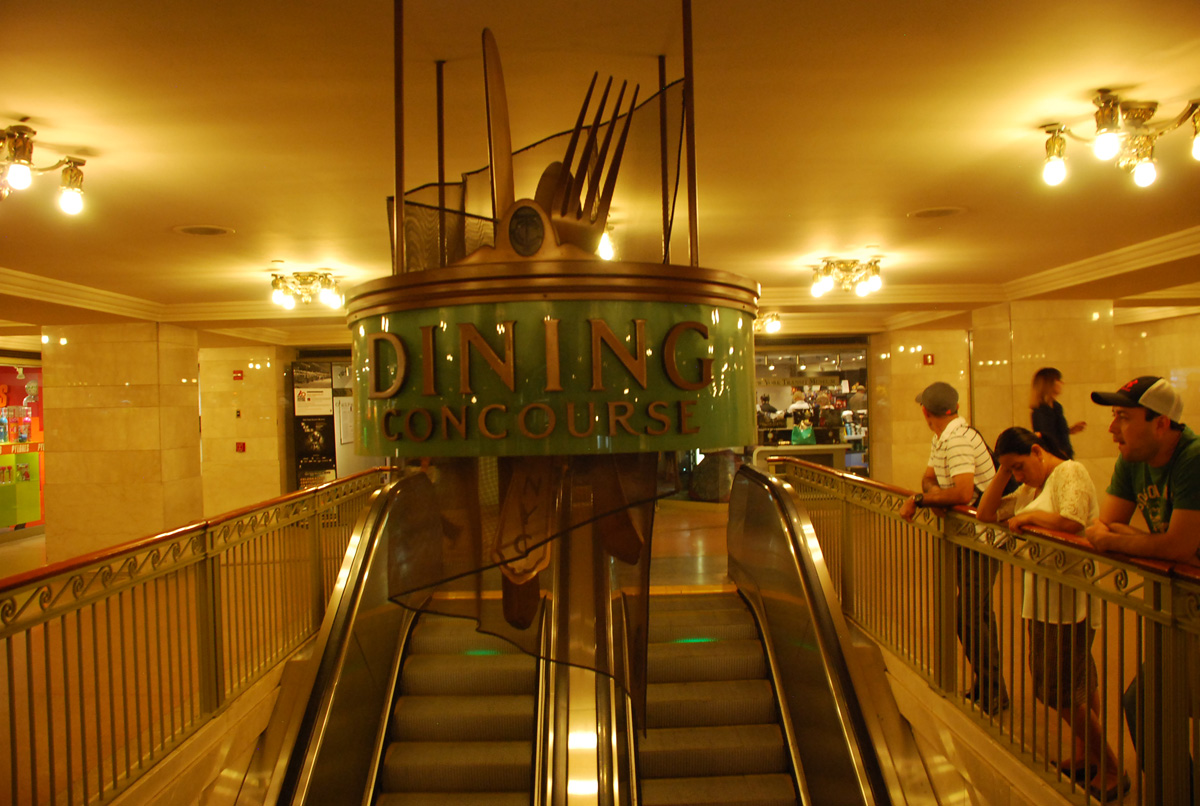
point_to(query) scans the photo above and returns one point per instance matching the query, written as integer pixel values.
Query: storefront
(815, 394)
(21, 444)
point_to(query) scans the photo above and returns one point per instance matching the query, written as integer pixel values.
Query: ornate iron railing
(109, 661)
(1135, 624)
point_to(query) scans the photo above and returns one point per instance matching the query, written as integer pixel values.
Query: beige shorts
(1060, 659)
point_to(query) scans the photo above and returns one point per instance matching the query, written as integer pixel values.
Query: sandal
(1080, 774)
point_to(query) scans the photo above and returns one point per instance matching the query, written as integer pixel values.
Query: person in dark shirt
(1048, 418)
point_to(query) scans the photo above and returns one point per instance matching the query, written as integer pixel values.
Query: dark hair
(1043, 381)
(1020, 441)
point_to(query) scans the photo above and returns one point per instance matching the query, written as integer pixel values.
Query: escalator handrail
(831, 632)
(298, 752)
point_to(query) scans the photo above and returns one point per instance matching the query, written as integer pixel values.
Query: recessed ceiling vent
(202, 229)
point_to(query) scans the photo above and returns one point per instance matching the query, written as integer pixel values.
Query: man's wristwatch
(919, 499)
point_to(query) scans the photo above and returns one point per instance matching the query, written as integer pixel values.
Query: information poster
(315, 438)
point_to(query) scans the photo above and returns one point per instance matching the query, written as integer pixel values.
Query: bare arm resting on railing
(1112, 532)
(934, 496)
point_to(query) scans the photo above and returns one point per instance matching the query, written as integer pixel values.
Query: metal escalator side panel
(774, 559)
(353, 656)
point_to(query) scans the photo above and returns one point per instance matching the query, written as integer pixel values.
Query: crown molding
(923, 294)
(312, 335)
(1175, 246)
(1135, 316)
(60, 292)
(911, 319)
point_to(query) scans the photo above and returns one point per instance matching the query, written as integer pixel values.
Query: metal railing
(1082, 664)
(109, 661)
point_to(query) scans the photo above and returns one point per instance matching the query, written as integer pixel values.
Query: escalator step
(469, 674)
(453, 799)
(674, 625)
(731, 750)
(709, 660)
(448, 636)
(726, 702)
(731, 790)
(486, 718)
(458, 767)
(707, 601)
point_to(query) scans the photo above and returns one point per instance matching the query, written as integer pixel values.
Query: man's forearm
(946, 497)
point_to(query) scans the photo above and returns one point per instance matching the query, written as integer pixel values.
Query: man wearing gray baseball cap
(959, 467)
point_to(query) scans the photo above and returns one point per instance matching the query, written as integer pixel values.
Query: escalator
(713, 732)
(462, 728)
(749, 696)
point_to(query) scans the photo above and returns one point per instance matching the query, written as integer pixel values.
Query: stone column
(122, 431)
(1012, 341)
(245, 400)
(897, 371)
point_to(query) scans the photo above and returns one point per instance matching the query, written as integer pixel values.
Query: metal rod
(441, 159)
(10, 667)
(662, 159)
(689, 111)
(399, 265)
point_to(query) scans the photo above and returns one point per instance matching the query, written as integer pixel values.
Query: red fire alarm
(927, 359)
(240, 447)
(237, 374)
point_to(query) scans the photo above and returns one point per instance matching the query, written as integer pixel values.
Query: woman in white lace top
(1056, 493)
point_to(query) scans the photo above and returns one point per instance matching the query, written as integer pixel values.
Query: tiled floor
(688, 552)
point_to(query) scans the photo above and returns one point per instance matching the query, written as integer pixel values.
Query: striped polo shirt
(959, 449)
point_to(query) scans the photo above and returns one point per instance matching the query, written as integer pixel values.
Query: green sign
(520, 378)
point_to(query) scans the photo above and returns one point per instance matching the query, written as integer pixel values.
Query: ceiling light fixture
(861, 277)
(768, 324)
(17, 169)
(1123, 132)
(305, 286)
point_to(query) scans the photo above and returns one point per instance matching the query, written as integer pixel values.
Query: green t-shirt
(1159, 490)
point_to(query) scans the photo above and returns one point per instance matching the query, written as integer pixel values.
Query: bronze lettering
(408, 424)
(669, 359)
(634, 362)
(685, 417)
(428, 361)
(373, 342)
(394, 436)
(658, 416)
(591, 420)
(469, 336)
(623, 418)
(553, 365)
(483, 429)
(525, 427)
(459, 423)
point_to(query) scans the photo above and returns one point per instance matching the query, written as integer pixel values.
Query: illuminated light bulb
(70, 201)
(605, 250)
(876, 282)
(330, 297)
(19, 176)
(277, 296)
(818, 288)
(1107, 145)
(862, 288)
(1196, 147)
(1144, 174)
(1054, 171)
(288, 301)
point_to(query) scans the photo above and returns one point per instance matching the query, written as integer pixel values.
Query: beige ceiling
(821, 127)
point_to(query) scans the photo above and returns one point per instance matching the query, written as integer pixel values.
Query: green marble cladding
(720, 415)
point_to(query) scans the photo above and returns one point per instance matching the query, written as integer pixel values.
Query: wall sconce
(17, 169)
(305, 286)
(1123, 132)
